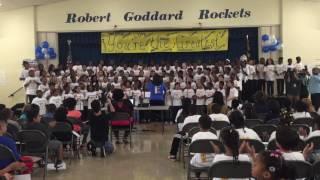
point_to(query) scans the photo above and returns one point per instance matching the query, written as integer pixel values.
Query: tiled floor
(146, 160)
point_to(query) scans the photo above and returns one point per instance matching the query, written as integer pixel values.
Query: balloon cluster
(270, 43)
(45, 52)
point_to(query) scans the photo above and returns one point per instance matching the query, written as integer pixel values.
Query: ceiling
(16, 4)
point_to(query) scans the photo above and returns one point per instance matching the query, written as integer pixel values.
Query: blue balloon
(265, 37)
(51, 51)
(273, 48)
(265, 49)
(38, 49)
(45, 44)
(40, 56)
(53, 56)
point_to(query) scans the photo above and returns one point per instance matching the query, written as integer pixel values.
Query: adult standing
(314, 87)
(280, 71)
(157, 91)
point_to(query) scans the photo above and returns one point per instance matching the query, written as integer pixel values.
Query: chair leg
(45, 164)
(130, 136)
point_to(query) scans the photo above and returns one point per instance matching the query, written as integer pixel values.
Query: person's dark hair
(95, 105)
(216, 108)
(236, 119)
(300, 106)
(117, 94)
(61, 114)
(235, 104)
(70, 103)
(249, 111)
(230, 138)
(157, 79)
(2, 106)
(51, 108)
(276, 165)
(205, 122)
(317, 123)
(218, 98)
(6, 113)
(287, 138)
(33, 112)
(186, 104)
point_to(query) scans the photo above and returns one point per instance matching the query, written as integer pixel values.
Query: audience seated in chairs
(120, 104)
(35, 124)
(260, 103)
(217, 115)
(218, 99)
(273, 116)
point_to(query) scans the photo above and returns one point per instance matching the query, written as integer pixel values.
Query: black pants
(315, 98)
(175, 144)
(270, 88)
(30, 98)
(261, 85)
(280, 87)
(174, 110)
(250, 90)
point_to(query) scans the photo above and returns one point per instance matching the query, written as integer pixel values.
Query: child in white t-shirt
(31, 84)
(199, 159)
(79, 97)
(209, 93)
(91, 95)
(231, 93)
(56, 98)
(188, 92)
(44, 85)
(41, 102)
(200, 101)
(176, 95)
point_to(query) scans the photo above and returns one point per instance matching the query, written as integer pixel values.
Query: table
(153, 108)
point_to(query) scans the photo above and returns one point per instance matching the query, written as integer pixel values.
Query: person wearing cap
(31, 84)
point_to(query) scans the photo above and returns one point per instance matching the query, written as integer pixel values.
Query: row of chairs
(231, 169)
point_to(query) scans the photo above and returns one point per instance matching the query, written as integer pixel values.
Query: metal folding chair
(34, 143)
(264, 131)
(249, 123)
(218, 125)
(307, 121)
(200, 146)
(302, 169)
(230, 169)
(258, 145)
(123, 121)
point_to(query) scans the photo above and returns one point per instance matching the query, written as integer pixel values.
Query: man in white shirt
(298, 66)
(203, 160)
(31, 84)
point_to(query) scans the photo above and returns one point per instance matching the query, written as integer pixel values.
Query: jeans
(270, 88)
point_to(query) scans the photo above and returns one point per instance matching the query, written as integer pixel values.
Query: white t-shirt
(223, 157)
(91, 97)
(297, 115)
(176, 95)
(200, 159)
(251, 71)
(219, 117)
(260, 71)
(191, 119)
(67, 95)
(24, 74)
(270, 73)
(298, 66)
(79, 98)
(200, 93)
(56, 100)
(43, 87)
(209, 94)
(188, 93)
(246, 133)
(280, 69)
(136, 94)
(234, 93)
(32, 88)
(293, 156)
(41, 102)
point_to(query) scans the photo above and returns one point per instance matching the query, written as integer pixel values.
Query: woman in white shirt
(270, 76)
(237, 121)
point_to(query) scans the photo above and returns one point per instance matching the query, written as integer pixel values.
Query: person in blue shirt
(157, 91)
(314, 87)
(8, 164)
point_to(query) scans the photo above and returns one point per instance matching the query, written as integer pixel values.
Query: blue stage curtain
(86, 47)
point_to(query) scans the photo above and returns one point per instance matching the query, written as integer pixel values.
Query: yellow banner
(164, 41)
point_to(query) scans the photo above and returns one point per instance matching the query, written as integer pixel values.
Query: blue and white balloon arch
(270, 43)
(44, 51)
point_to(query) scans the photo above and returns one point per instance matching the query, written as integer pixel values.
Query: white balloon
(46, 56)
(44, 50)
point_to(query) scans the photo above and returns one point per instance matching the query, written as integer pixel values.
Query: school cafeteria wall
(17, 40)
(227, 13)
(301, 30)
